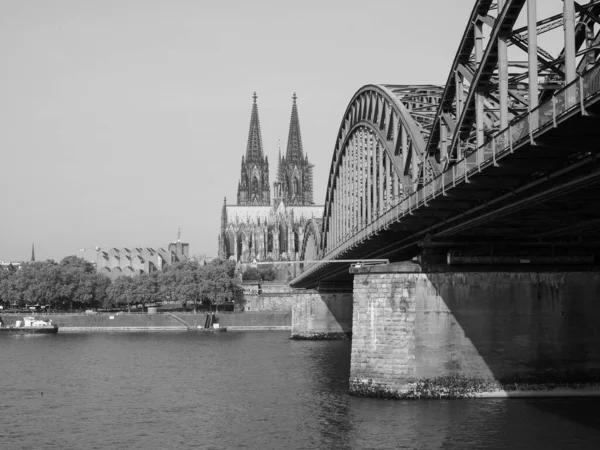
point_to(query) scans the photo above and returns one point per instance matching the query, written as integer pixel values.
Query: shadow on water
(580, 410)
(524, 330)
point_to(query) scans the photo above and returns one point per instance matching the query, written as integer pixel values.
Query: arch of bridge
(394, 120)
(310, 246)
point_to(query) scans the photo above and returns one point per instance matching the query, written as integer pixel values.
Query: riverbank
(136, 322)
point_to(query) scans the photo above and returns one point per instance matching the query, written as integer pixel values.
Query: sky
(122, 121)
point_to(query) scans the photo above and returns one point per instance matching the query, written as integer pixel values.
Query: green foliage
(78, 264)
(120, 291)
(219, 283)
(251, 274)
(74, 284)
(260, 273)
(192, 282)
(71, 284)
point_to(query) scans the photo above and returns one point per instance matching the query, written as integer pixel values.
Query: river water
(248, 390)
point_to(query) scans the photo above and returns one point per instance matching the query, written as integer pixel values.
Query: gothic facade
(257, 229)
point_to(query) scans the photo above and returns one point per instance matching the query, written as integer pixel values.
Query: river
(247, 390)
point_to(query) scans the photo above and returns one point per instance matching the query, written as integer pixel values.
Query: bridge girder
(485, 91)
(497, 132)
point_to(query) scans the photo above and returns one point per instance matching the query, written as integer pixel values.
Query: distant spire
(254, 149)
(32, 252)
(294, 144)
(179, 234)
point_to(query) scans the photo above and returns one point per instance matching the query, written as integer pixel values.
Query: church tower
(253, 187)
(294, 185)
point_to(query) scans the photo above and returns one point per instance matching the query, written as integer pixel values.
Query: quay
(141, 322)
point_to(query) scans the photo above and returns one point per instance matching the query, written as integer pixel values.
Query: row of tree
(259, 274)
(74, 284)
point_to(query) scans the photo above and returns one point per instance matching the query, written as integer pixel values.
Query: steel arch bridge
(412, 163)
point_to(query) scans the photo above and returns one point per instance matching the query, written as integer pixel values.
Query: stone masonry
(463, 334)
(322, 315)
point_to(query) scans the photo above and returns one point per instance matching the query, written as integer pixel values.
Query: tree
(260, 273)
(184, 278)
(219, 282)
(268, 273)
(77, 263)
(9, 293)
(37, 283)
(251, 274)
(101, 285)
(120, 291)
(144, 289)
(77, 282)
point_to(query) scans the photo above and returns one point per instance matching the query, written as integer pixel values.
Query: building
(260, 228)
(115, 262)
(10, 265)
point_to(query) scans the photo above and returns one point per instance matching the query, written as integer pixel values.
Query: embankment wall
(158, 322)
(268, 296)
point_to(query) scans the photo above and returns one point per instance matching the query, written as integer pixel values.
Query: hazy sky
(122, 120)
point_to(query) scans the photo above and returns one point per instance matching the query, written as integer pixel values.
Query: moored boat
(29, 325)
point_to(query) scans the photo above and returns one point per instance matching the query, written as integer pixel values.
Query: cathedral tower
(294, 185)
(253, 187)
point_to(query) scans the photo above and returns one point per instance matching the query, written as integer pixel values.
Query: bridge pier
(430, 334)
(318, 315)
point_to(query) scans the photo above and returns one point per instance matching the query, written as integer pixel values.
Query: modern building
(259, 228)
(115, 262)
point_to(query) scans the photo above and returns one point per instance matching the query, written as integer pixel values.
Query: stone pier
(322, 315)
(426, 334)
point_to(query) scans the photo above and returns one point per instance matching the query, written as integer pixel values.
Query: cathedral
(261, 227)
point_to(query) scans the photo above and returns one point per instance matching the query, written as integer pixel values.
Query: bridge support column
(322, 315)
(418, 334)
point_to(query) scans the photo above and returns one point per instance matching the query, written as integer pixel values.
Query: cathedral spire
(294, 144)
(253, 188)
(32, 252)
(279, 160)
(295, 174)
(254, 149)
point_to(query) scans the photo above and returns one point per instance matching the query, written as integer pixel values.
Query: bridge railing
(524, 128)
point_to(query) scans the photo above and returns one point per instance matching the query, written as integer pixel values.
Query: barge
(29, 325)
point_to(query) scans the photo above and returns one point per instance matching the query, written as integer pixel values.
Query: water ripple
(256, 390)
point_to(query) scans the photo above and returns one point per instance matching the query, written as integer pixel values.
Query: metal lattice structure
(411, 162)
(377, 156)
(485, 90)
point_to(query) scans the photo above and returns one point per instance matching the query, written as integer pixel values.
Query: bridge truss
(412, 162)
